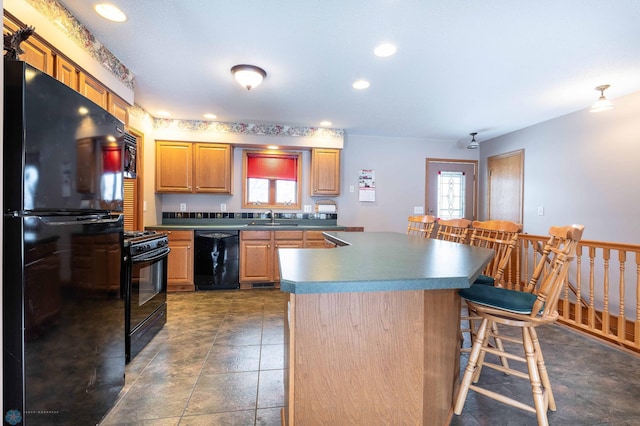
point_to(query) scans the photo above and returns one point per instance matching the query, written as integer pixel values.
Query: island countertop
(380, 261)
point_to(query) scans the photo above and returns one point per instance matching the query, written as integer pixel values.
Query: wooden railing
(602, 293)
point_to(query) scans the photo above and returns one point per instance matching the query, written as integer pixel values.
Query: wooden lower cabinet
(180, 266)
(259, 253)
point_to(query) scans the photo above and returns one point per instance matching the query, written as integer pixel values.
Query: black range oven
(145, 278)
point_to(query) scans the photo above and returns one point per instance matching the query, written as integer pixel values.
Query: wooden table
(372, 329)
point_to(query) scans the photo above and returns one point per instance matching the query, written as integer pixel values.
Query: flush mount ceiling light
(110, 12)
(249, 76)
(473, 144)
(602, 103)
(360, 84)
(384, 50)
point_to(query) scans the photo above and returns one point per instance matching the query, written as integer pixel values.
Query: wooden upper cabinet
(325, 171)
(66, 72)
(94, 90)
(173, 166)
(207, 165)
(213, 168)
(36, 53)
(118, 107)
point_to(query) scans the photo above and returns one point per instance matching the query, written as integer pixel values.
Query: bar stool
(455, 230)
(526, 310)
(421, 225)
(500, 236)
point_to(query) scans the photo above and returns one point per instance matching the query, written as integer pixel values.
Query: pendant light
(602, 104)
(473, 144)
(249, 76)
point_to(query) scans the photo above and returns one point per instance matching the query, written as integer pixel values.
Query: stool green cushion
(484, 280)
(518, 302)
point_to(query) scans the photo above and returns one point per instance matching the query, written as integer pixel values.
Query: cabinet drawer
(255, 235)
(288, 235)
(180, 235)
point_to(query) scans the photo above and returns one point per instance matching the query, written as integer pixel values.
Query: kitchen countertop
(380, 261)
(246, 227)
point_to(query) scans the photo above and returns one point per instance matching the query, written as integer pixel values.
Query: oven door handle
(152, 257)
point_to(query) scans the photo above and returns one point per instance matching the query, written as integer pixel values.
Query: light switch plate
(540, 210)
(183, 207)
(418, 210)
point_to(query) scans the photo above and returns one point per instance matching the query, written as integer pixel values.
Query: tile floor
(218, 361)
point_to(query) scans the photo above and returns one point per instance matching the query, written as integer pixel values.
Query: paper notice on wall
(367, 185)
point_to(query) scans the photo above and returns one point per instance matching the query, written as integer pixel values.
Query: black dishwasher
(216, 263)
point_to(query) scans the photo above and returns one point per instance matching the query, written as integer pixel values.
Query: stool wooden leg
(471, 366)
(544, 375)
(534, 378)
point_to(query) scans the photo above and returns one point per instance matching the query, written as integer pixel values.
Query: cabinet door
(180, 262)
(256, 259)
(213, 168)
(173, 166)
(325, 171)
(92, 89)
(66, 72)
(118, 107)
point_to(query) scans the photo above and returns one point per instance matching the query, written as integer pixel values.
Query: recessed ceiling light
(361, 84)
(110, 12)
(164, 113)
(210, 116)
(384, 50)
(325, 123)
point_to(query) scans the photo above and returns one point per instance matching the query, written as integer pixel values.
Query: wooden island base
(372, 358)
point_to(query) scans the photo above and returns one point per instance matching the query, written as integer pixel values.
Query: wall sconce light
(602, 104)
(473, 144)
(249, 76)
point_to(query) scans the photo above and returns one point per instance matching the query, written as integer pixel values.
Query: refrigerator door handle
(82, 219)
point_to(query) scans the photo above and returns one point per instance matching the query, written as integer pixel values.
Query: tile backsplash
(247, 215)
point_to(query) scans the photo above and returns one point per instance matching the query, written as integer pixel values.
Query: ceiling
(461, 66)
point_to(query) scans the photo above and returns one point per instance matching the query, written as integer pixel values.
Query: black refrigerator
(63, 310)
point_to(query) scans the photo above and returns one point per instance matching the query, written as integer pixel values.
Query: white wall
(583, 168)
(400, 166)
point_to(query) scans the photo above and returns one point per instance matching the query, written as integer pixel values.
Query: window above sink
(271, 179)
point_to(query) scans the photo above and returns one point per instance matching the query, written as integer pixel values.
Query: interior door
(505, 185)
(451, 188)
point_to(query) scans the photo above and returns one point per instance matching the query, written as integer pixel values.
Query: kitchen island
(372, 328)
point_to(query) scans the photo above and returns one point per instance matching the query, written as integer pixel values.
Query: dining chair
(501, 236)
(421, 225)
(528, 309)
(455, 230)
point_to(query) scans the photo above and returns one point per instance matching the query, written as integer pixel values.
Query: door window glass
(451, 190)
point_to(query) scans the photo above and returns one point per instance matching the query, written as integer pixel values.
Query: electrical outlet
(223, 207)
(183, 207)
(307, 208)
(418, 210)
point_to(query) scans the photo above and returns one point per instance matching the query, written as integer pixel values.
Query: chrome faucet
(273, 217)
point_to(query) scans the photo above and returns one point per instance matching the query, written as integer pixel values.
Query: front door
(451, 188)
